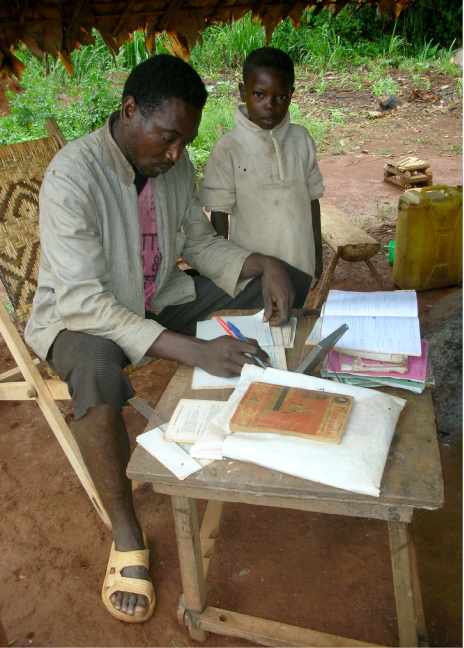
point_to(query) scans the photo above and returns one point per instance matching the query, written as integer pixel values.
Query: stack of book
(382, 345)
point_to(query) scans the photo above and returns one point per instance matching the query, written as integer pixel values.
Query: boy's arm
(220, 222)
(316, 216)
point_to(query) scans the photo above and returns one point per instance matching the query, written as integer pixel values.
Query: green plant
(384, 212)
(383, 86)
(337, 116)
(361, 222)
(459, 87)
(218, 117)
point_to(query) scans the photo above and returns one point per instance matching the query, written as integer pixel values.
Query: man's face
(267, 95)
(154, 144)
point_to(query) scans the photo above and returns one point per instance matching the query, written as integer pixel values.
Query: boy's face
(267, 95)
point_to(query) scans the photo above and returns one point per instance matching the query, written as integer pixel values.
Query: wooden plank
(351, 242)
(17, 391)
(54, 130)
(264, 631)
(419, 609)
(402, 581)
(13, 375)
(49, 408)
(189, 547)
(209, 530)
(24, 391)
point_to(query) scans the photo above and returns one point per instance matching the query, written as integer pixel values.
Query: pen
(235, 333)
(226, 328)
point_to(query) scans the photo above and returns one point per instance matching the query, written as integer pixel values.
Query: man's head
(162, 103)
(267, 88)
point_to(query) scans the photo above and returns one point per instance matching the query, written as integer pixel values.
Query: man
(117, 208)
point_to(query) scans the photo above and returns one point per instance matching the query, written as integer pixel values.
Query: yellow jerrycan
(428, 245)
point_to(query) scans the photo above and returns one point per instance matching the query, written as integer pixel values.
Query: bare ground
(331, 573)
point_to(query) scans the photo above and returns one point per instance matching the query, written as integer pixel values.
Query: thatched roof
(57, 27)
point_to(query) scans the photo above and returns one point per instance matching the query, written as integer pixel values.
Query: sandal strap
(121, 559)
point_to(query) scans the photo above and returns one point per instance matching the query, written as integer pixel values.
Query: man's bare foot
(131, 604)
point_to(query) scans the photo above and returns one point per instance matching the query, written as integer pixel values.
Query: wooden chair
(349, 243)
(22, 167)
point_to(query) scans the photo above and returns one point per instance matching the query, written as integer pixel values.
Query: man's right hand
(223, 356)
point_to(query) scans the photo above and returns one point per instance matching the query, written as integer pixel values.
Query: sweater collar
(243, 122)
(113, 156)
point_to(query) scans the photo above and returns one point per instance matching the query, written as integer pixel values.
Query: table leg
(400, 550)
(190, 558)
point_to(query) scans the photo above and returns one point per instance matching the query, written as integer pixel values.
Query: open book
(379, 322)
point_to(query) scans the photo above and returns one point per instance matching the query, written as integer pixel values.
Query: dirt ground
(330, 573)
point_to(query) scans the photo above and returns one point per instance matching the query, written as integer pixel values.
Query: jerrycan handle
(435, 188)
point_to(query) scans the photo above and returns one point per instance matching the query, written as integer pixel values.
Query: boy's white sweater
(266, 181)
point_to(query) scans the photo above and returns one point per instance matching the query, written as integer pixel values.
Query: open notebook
(379, 322)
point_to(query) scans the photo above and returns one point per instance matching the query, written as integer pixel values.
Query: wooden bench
(348, 242)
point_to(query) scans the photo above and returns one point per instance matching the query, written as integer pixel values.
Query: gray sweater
(90, 276)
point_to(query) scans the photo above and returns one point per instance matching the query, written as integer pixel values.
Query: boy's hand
(318, 270)
(277, 288)
(220, 222)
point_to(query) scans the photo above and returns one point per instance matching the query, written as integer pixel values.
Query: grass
(384, 211)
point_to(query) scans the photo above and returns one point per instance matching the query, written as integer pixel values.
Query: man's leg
(93, 369)
(210, 298)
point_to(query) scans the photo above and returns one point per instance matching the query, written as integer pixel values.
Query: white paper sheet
(169, 454)
(251, 326)
(392, 335)
(356, 464)
(394, 303)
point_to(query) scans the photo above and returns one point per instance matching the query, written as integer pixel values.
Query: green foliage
(384, 86)
(218, 117)
(81, 104)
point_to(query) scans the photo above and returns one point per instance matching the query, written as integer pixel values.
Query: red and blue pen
(235, 333)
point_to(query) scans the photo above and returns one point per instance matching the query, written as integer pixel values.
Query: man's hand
(278, 290)
(223, 356)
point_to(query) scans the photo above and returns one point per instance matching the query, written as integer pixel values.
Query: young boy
(264, 172)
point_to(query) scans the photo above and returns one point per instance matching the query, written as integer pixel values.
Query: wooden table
(412, 479)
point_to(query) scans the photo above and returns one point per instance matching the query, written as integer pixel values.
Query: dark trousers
(93, 366)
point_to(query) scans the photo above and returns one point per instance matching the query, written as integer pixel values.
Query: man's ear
(128, 110)
(242, 91)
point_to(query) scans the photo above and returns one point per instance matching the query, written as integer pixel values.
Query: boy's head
(267, 87)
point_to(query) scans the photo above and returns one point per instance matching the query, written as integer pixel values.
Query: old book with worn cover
(306, 413)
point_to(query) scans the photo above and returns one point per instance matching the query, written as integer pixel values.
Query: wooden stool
(408, 172)
(348, 242)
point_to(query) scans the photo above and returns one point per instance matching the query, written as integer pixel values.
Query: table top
(412, 476)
